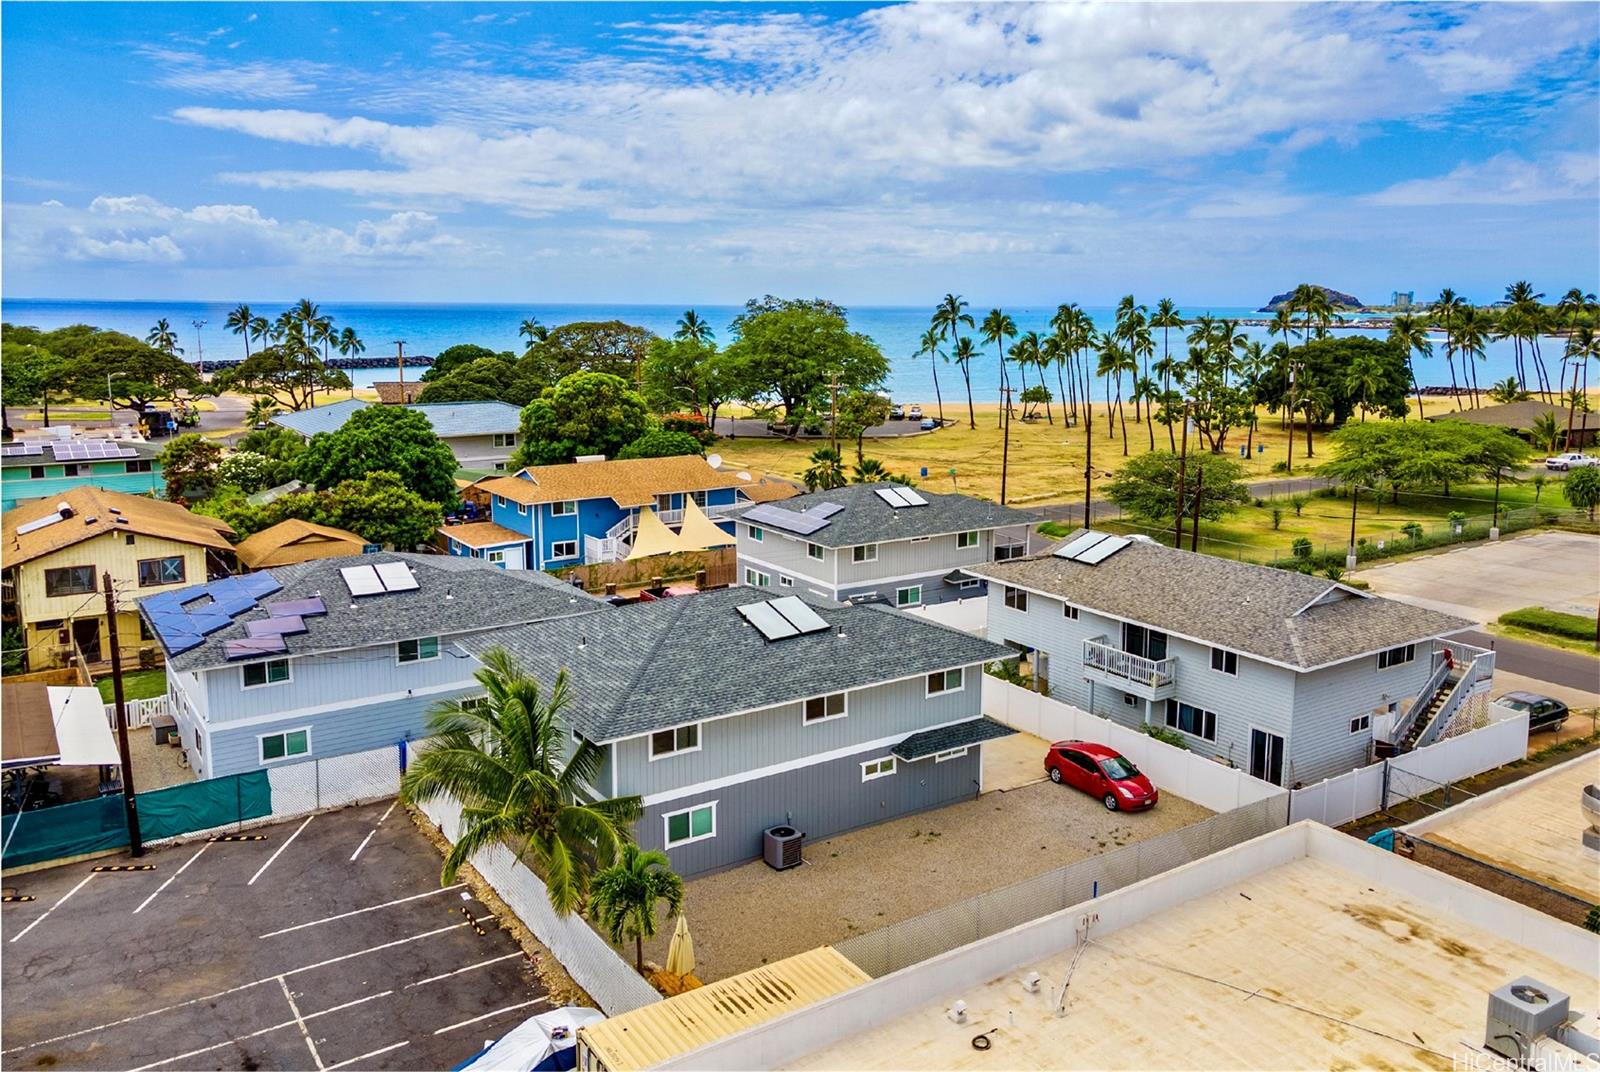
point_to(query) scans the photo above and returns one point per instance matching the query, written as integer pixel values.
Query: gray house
(733, 711)
(906, 545)
(1291, 677)
(333, 656)
(482, 435)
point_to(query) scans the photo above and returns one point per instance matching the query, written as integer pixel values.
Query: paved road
(1537, 661)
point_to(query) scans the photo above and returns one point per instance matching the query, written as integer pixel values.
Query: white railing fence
(140, 712)
(1130, 667)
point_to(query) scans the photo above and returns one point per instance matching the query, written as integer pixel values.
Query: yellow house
(55, 552)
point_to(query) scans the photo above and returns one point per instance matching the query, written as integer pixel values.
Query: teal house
(41, 468)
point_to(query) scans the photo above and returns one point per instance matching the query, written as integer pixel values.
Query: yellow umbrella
(680, 953)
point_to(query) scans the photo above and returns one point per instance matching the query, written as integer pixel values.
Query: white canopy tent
(57, 725)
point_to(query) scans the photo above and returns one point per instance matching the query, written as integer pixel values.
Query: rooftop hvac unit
(780, 847)
(1520, 1012)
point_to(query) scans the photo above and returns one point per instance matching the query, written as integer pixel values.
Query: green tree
(381, 509)
(533, 331)
(239, 321)
(859, 411)
(510, 764)
(586, 413)
(460, 355)
(140, 376)
(33, 376)
(962, 354)
(609, 346)
(1146, 486)
(948, 319)
(826, 471)
(289, 371)
(791, 351)
(870, 471)
(282, 449)
(1410, 334)
(488, 379)
(1508, 390)
(189, 467)
(692, 327)
(1323, 371)
(688, 374)
(163, 338)
(245, 470)
(929, 345)
(1546, 431)
(388, 438)
(996, 328)
(660, 443)
(625, 896)
(1582, 488)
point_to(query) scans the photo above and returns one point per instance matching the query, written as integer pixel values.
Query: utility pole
(833, 410)
(1183, 463)
(200, 345)
(1355, 498)
(400, 364)
(129, 805)
(1199, 491)
(1005, 447)
(1088, 461)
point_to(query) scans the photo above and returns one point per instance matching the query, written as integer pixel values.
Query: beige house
(56, 551)
(293, 541)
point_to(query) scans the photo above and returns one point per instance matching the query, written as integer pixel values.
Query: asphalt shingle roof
(142, 450)
(647, 666)
(97, 511)
(1278, 615)
(962, 734)
(449, 419)
(866, 518)
(454, 595)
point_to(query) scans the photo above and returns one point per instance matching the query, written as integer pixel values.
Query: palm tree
(1166, 317)
(948, 317)
(1410, 333)
(163, 338)
(260, 329)
(1053, 351)
(1114, 361)
(1469, 329)
(350, 344)
(1573, 304)
(501, 759)
(261, 410)
(869, 471)
(1148, 391)
(826, 471)
(1582, 347)
(997, 328)
(1025, 352)
(930, 346)
(1509, 389)
(1545, 431)
(691, 326)
(1061, 346)
(962, 355)
(239, 322)
(626, 895)
(1444, 310)
(533, 331)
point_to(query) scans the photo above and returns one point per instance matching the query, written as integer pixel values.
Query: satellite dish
(744, 475)
(714, 460)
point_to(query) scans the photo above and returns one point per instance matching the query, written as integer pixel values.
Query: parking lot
(1559, 570)
(329, 944)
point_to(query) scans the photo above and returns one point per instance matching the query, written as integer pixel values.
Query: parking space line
(374, 830)
(264, 1030)
(285, 845)
(310, 1045)
(55, 906)
(172, 879)
(368, 1056)
(497, 1012)
(458, 971)
(358, 911)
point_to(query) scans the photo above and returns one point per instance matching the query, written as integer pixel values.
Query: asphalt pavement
(1569, 668)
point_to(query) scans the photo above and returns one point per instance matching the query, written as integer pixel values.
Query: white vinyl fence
(1194, 777)
(596, 967)
(140, 712)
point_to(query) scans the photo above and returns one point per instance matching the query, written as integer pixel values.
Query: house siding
(900, 564)
(233, 749)
(1321, 744)
(478, 451)
(17, 486)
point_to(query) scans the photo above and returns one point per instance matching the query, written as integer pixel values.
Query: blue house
(41, 468)
(548, 516)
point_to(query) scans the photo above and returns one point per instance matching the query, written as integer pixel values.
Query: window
(1361, 724)
(1192, 720)
(128, 539)
(417, 651)
(1069, 612)
(954, 753)
(670, 742)
(877, 768)
(755, 533)
(970, 582)
(867, 552)
(1130, 700)
(908, 597)
(691, 824)
(663, 503)
(69, 581)
(271, 672)
(700, 499)
(499, 467)
(140, 466)
(1016, 598)
(473, 703)
(1396, 656)
(500, 501)
(72, 470)
(505, 439)
(968, 539)
(1225, 661)
(921, 539)
(564, 549)
(822, 708)
(285, 745)
(756, 579)
(814, 550)
(563, 509)
(785, 582)
(35, 472)
(154, 571)
(946, 681)
(522, 509)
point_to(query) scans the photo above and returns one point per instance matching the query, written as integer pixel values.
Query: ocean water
(427, 329)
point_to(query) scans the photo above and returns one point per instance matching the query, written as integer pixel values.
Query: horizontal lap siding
(900, 558)
(1321, 744)
(353, 729)
(934, 589)
(352, 677)
(781, 555)
(820, 801)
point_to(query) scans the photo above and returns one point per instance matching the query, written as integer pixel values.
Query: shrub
(1277, 518)
(1298, 501)
(1260, 503)
(1301, 547)
(692, 423)
(1334, 573)
(1413, 529)
(1556, 623)
(1280, 467)
(1166, 736)
(660, 443)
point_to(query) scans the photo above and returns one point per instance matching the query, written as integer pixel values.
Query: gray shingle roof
(866, 518)
(449, 419)
(1278, 615)
(931, 742)
(142, 449)
(652, 665)
(454, 595)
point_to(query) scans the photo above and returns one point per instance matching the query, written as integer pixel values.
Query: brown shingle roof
(1519, 416)
(769, 489)
(635, 482)
(297, 541)
(482, 534)
(96, 511)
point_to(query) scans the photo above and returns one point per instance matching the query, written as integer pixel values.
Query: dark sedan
(1544, 713)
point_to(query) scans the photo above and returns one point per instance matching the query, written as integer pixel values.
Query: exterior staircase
(1420, 724)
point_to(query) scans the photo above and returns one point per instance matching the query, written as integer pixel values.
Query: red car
(1101, 772)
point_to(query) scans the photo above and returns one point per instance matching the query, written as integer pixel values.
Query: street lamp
(200, 346)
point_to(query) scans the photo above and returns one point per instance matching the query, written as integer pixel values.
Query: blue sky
(873, 154)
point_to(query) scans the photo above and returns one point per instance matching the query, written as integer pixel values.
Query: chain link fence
(912, 941)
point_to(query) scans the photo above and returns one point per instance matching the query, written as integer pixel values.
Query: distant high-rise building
(1402, 299)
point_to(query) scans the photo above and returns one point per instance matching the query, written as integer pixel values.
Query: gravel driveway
(872, 877)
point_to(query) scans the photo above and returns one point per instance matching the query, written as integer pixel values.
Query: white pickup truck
(1572, 459)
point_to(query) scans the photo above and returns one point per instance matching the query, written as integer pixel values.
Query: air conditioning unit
(780, 847)
(1520, 1012)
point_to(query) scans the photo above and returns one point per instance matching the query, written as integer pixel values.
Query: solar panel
(259, 584)
(890, 496)
(1103, 550)
(787, 520)
(799, 615)
(773, 625)
(284, 625)
(249, 647)
(396, 576)
(361, 580)
(911, 497)
(209, 621)
(824, 510)
(1074, 547)
(22, 450)
(309, 607)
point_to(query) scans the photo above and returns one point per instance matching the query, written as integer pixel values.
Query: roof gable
(96, 512)
(863, 516)
(630, 482)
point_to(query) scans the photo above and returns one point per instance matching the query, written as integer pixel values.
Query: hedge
(1554, 622)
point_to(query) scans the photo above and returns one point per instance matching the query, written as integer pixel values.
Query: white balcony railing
(1151, 678)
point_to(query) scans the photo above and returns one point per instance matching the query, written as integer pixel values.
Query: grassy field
(136, 685)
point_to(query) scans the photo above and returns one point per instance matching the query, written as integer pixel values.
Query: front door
(86, 634)
(1266, 756)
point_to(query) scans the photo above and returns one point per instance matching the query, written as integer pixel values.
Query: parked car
(1101, 772)
(929, 424)
(913, 413)
(897, 412)
(1572, 459)
(1544, 713)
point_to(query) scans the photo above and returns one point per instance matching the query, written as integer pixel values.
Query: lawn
(136, 685)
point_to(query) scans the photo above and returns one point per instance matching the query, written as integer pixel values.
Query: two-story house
(733, 711)
(1286, 675)
(41, 468)
(481, 435)
(904, 545)
(547, 516)
(57, 551)
(335, 655)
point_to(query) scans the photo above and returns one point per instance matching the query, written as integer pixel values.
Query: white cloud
(195, 72)
(1504, 179)
(160, 249)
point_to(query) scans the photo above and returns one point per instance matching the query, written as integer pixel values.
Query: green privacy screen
(65, 830)
(183, 809)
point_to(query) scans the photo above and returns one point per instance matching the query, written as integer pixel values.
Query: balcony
(1151, 679)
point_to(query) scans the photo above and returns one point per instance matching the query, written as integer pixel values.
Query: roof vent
(64, 508)
(590, 458)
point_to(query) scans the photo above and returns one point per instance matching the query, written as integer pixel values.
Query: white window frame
(815, 552)
(928, 691)
(1410, 651)
(756, 533)
(522, 509)
(666, 825)
(1361, 724)
(844, 711)
(872, 769)
(970, 582)
(917, 602)
(1069, 612)
(438, 650)
(564, 508)
(921, 539)
(505, 439)
(765, 579)
(949, 754)
(261, 738)
(864, 552)
(500, 501)
(557, 545)
(785, 582)
(1012, 596)
(490, 553)
(965, 540)
(700, 498)
(699, 741)
(288, 667)
(1226, 655)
